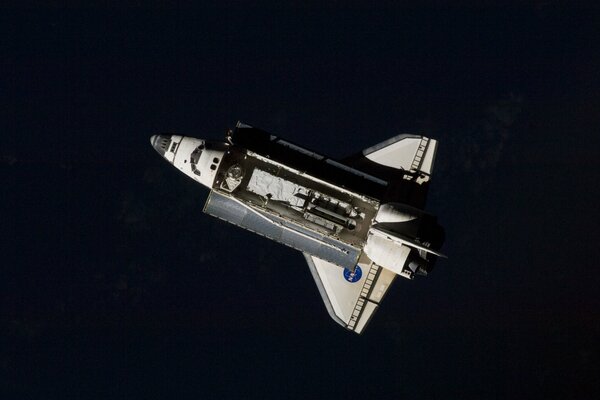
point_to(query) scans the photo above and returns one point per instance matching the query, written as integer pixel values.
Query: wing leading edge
(404, 161)
(410, 153)
(351, 298)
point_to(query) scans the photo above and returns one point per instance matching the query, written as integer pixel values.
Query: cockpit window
(194, 157)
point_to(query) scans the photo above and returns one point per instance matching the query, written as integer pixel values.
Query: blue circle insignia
(353, 276)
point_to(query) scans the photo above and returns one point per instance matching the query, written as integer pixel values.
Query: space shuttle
(359, 221)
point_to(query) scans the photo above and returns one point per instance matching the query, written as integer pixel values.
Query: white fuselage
(199, 159)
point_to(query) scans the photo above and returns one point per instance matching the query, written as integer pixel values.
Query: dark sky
(114, 284)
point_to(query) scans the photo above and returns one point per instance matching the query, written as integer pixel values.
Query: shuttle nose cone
(160, 143)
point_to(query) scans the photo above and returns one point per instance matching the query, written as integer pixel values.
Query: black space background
(113, 284)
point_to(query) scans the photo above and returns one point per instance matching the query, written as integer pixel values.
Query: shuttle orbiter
(359, 221)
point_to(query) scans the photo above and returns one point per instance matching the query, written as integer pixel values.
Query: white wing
(407, 152)
(350, 299)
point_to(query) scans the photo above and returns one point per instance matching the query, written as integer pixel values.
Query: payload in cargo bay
(358, 221)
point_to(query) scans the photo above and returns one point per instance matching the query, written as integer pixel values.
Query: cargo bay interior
(292, 195)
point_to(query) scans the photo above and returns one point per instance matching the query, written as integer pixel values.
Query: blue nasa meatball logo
(353, 276)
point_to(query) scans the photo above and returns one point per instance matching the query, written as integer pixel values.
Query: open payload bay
(295, 204)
